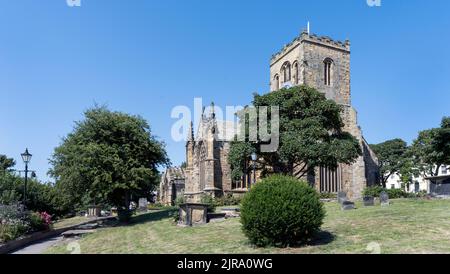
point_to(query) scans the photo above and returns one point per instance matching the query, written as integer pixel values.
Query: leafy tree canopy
(6, 163)
(311, 135)
(431, 149)
(108, 158)
(392, 156)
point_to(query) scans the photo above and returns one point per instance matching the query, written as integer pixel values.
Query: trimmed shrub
(281, 211)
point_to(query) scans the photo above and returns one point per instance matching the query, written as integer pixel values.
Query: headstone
(369, 201)
(342, 197)
(384, 198)
(93, 211)
(143, 204)
(347, 205)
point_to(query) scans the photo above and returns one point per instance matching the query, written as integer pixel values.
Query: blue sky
(145, 57)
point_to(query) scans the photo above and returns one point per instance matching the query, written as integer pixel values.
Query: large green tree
(392, 156)
(310, 130)
(6, 163)
(109, 158)
(431, 149)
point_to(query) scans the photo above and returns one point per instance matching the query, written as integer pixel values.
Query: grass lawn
(70, 221)
(407, 226)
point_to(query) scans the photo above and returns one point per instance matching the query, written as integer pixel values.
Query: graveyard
(415, 226)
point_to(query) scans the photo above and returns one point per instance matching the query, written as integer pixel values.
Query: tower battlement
(311, 38)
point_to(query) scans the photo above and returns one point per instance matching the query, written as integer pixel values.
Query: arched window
(328, 64)
(276, 82)
(296, 73)
(286, 72)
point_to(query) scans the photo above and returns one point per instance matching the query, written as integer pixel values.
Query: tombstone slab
(384, 199)
(347, 205)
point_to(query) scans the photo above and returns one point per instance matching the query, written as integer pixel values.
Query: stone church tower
(318, 62)
(324, 64)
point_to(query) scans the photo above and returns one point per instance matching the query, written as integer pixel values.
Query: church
(318, 62)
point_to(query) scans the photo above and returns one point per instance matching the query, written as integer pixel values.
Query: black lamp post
(26, 157)
(254, 158)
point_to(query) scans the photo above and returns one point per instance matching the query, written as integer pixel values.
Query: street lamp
(26, 157)
(254, 158)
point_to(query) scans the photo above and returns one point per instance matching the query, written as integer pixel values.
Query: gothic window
(286, 72)
(328, 64)
(444, 170)
(276, 82)
(296, 73)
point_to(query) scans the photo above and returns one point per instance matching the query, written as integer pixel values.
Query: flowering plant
(47, 218)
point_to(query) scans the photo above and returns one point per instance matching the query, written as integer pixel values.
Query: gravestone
(384, 198)
(347, 205)
(342, 197)
(369, 201)
(94, 211)
(143, 204)
(191, 214)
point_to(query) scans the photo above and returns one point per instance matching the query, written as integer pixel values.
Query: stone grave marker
(143, 204)
(342, 197)
(347, 205)
(384, 198)
(369, 201)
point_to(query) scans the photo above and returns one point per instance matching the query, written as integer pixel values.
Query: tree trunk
(437, 170)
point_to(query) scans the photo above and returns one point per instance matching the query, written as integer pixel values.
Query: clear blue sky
(145, 57)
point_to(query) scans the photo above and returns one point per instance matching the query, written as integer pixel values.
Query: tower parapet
(311, 38)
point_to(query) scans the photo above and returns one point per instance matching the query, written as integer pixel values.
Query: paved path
(39, 247)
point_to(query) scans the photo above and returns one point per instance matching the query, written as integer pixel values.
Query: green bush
(14, 222)
(328, 196)
(180, 200)
(228, 200)
(208, 200)
(375, 191)
(281, 211)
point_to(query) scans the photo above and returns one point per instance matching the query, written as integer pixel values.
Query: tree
(392, 155)
(431, 149)
(311, 135)
(109, 158)
(6, 163)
